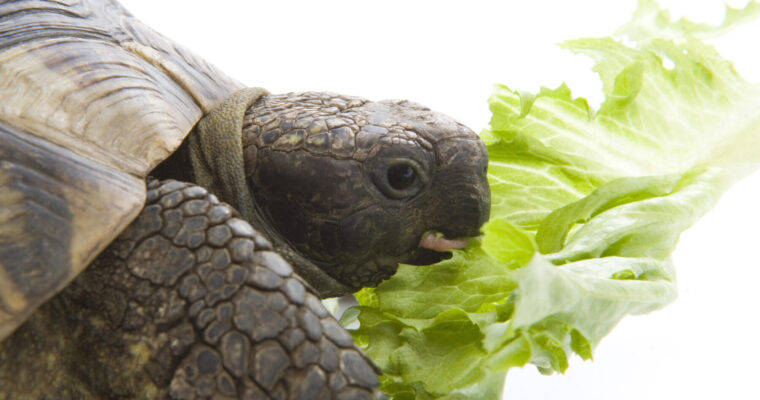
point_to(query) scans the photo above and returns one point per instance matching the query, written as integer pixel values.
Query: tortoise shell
(91, 100)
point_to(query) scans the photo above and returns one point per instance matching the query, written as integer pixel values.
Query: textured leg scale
(189, 303)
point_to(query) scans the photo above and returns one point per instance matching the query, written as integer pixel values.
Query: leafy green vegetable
(587, 205)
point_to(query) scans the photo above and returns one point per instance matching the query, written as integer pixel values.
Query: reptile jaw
(434, 247)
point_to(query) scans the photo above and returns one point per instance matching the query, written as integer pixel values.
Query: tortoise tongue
(432, 242)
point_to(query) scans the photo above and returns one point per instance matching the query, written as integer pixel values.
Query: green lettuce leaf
(587, 205)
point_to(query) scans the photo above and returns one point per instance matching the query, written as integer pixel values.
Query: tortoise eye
(398, 178)
(401, 176)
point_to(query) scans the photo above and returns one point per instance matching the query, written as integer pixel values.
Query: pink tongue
(430, 241)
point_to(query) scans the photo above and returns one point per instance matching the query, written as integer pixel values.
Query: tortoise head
(353, 187)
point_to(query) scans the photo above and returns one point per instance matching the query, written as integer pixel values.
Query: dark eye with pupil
(401, 176)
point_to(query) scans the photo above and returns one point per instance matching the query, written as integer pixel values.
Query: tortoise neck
(216, 150)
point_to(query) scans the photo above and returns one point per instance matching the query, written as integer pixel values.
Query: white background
(447, 55)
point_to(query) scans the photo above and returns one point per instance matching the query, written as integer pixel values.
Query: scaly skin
(318, 165)
(190, 302)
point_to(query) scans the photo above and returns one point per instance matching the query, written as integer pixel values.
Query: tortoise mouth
(434, 247)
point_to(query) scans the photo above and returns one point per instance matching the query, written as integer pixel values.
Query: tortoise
(166, 232)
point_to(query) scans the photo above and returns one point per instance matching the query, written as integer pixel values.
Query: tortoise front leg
(190, 302)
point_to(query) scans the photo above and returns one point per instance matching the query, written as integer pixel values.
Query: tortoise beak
(463, 209)
(435, 247)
